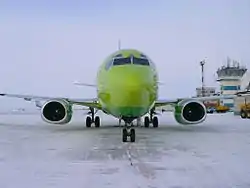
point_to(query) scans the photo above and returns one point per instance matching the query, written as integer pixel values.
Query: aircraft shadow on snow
(81, 127)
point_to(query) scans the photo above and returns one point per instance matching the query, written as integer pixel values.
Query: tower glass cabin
(229, 78)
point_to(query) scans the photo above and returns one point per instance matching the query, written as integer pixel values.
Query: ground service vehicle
(245, 107)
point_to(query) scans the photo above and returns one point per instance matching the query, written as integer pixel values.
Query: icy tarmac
(215, 154)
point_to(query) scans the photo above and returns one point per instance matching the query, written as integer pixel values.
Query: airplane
(127, 88)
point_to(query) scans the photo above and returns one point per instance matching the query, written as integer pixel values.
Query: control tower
(229, 78)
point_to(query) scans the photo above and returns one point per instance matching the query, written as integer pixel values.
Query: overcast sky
(46, 45)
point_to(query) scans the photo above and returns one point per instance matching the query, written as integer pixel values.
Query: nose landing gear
(128, 132)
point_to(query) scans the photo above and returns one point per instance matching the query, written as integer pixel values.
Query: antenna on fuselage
(119, 44)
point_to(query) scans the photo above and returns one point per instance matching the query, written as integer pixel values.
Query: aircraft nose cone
(132, 90)
(130, 85)
(133, 82)
(129, 90)
(131, 95)
(134, 78)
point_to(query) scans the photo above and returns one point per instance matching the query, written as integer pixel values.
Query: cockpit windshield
(122, 61)
(141, 61)
(119, 60)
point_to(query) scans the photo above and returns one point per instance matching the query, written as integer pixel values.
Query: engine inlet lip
(200, 110)
(59, 105)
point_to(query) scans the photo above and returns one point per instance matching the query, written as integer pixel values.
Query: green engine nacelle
(190, 112)
(57, 112)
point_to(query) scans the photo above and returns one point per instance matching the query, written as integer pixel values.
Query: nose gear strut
(128, 131)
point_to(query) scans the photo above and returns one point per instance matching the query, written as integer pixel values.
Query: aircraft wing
(84, 84)
(78, 101)
(165, 102)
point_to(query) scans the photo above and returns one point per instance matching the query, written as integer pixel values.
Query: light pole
(202, 63)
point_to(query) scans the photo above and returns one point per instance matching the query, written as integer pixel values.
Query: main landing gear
(93, 119)
(151, 119)
(128, 132)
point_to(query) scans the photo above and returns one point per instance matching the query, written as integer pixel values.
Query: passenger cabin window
(122, 61)
(141, 61)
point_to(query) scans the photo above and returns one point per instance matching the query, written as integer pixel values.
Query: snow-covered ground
(35, 154)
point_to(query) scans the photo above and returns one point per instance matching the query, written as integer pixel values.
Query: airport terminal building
(207, 91)
(232, 79)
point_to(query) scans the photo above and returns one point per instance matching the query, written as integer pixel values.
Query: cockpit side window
(108, 64)
(141, 61)
(122, 61)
